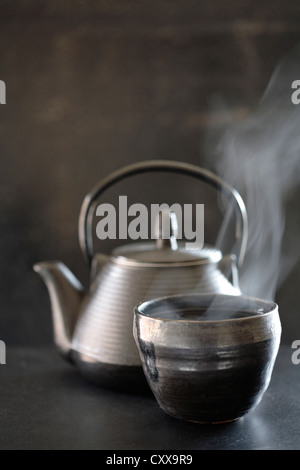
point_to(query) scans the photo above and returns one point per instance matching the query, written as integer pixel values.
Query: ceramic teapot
(93, 328)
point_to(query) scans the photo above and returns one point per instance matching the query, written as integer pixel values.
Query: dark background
(93, 86)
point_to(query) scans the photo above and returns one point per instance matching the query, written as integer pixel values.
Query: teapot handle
(88, 205)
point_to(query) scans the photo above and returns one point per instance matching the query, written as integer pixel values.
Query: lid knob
(166, 230)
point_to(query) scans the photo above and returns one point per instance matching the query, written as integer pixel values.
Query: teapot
(93, 329)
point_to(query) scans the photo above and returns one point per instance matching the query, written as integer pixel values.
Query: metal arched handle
(88, 205)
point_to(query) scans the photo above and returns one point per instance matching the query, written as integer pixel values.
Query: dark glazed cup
(207, 358)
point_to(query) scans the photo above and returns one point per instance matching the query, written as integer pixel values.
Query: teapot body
(103, 346)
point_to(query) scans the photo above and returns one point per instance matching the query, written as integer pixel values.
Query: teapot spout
(66, 294)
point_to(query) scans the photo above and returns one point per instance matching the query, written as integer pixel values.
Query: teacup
(208, 358)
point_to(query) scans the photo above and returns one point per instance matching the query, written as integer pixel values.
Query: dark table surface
(45, 404)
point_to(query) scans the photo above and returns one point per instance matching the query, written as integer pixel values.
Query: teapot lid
(166, 249)
(148, 253)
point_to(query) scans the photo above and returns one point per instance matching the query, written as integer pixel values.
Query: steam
(260, 157)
